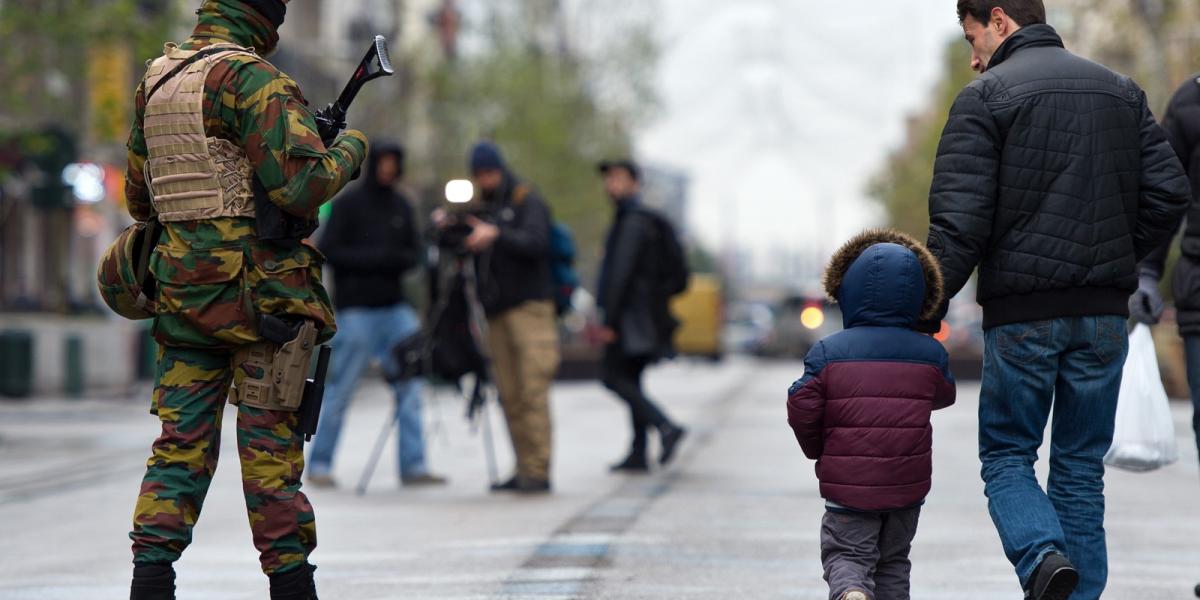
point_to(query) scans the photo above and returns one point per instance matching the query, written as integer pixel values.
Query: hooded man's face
(388, 170)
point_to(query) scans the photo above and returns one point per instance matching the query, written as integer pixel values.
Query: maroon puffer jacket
(862, 408)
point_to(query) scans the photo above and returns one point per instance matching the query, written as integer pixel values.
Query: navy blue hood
(884, 278)
(883, 288)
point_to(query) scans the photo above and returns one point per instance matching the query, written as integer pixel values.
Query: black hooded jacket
(371, 240)
(1054, 179)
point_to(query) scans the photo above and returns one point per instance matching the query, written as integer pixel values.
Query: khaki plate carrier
(192, 177)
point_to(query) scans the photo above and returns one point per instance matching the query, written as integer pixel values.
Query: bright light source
(812, 317)
(944, 333)
(460, 191)
(86, 180)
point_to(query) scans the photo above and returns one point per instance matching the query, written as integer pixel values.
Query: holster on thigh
(272, 376)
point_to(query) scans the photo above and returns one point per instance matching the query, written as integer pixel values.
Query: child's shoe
(854, 595)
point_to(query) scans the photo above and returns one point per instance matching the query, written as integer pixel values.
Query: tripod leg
(489, 444)
(373, 461)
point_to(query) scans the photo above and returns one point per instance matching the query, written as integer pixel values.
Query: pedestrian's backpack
(562, 258)
(673, 272)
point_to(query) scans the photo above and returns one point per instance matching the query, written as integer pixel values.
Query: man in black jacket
(371, 242)
(633, 307)
(512, 245)
(1054, 179)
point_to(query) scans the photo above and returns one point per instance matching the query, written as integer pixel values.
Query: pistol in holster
(272, 373)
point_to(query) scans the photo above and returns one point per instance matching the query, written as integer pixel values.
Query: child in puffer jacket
(862, 412)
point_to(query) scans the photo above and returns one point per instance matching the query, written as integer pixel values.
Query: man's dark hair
(1024, 12)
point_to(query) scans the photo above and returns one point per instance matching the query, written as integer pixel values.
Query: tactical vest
(191, 177)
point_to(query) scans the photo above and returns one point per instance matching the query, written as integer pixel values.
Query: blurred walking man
(1182, 126)
(1054, 179)
(638, 326)
(215, 121)
(512, 243)
(371, 241)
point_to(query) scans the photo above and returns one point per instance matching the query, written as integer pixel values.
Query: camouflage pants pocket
(202, 297)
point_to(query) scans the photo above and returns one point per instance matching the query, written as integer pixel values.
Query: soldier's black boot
(296, 584)
(152, 581)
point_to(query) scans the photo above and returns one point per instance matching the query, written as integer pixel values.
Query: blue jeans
(1070, 367)
(365, 334)
(1191, 348)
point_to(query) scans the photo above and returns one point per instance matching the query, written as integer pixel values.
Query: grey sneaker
(423, 480)
(854, 595)
(322, 481)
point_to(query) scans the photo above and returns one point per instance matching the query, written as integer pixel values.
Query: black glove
(1146, 304)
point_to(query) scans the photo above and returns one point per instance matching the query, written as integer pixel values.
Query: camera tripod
(454, 267)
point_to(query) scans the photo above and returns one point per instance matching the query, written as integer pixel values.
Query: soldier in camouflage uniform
(196, 147)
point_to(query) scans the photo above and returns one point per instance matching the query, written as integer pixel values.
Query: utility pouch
(272, 375)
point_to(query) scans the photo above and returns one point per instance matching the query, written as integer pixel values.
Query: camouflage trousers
(189, 398)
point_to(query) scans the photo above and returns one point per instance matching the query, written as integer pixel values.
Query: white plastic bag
(1144, 438)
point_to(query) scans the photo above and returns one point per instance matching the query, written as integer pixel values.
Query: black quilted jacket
(1054, 179)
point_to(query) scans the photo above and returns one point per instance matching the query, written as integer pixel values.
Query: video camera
(460, 204)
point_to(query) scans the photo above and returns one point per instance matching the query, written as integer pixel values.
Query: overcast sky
(782, 110)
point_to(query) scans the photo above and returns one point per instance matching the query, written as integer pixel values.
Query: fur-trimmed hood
(883, 277)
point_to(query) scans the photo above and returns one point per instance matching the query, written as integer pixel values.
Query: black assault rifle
(331, 120)
(275, 225)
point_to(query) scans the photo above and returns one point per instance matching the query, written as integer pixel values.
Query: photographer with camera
(371, 242)
(508, 232)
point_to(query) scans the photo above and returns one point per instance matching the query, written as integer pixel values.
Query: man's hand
(440, 219)
(1146, 304)
(483, 235)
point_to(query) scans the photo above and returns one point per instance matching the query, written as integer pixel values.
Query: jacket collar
(1030, 36)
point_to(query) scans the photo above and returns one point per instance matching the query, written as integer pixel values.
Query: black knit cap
(273, 10)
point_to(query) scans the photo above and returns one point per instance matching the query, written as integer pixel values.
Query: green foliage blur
(543, 107)
(46, 49)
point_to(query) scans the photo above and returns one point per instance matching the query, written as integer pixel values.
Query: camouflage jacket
(214, 277)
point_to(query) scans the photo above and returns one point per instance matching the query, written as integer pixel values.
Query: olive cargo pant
(189, 397)
(525, 356)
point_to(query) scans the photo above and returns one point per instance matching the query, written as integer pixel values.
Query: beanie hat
(485, 156)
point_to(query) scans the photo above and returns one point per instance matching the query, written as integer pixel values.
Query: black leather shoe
(634, 463)
(152, 581)
(671, 436)
(296, 584)
(533, 486)
(507, 486)
(1054, 579)
(523, 485)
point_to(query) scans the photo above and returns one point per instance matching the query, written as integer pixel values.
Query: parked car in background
(579, 332)
(800, 322)
(749, 327)
(701, 314)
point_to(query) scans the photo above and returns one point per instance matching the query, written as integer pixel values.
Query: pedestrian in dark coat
(638, 325)
(862, 411)
(1054, 179)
